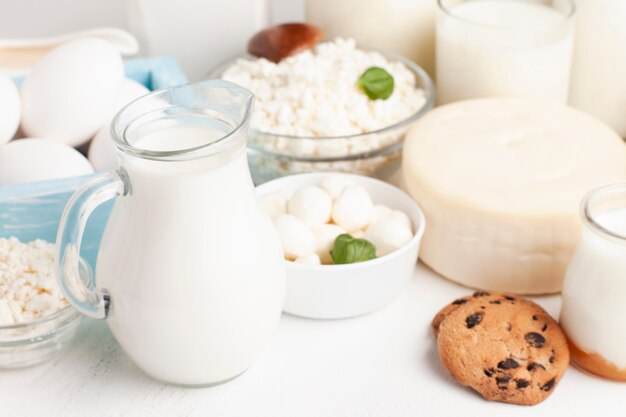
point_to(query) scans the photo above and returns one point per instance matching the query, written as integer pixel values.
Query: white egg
(102, 153)
(9, 109)
(334, 184)
(296, 237)
(310, 259)
(388, 234)
(311, 204)
(26, 160)
(70, 92)
(275, 203)
(353, 209)
(325, 234)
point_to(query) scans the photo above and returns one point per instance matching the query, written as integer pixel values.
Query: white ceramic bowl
(341, 291)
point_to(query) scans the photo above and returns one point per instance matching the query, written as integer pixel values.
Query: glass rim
(565, 18)
(118, 129)
(68, 312)
(588, 217)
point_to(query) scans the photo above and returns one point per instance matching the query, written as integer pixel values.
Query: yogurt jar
(594, 291)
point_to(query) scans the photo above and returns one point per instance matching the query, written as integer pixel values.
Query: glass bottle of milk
(504, 48)
(406, 27)
(593, 314)
(599, 68)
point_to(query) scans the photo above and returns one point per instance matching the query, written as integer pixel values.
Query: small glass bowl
(31, 343)
(375, 154)
(34, 342)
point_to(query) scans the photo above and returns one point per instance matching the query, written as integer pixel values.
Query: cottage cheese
(28, 287)
(315, 93)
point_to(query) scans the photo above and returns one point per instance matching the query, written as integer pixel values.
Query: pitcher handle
(76, 282)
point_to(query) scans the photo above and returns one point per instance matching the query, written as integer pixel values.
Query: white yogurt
(496, 48)
(599, 67)
(197, 282)
(594, 292)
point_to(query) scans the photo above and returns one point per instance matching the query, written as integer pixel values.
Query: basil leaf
(348, 250)
(376, 83)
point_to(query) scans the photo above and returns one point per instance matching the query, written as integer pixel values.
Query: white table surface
(383, 364)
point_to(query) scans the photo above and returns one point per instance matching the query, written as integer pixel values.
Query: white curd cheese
(326, 235)
(388, 234)
(310, 259)
(334, 184)
(314, 93)
(353, 209)
(275, 204)
(296, 237)
(311, 204)
(28, 287)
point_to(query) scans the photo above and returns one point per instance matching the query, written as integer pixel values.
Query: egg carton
(33, 210)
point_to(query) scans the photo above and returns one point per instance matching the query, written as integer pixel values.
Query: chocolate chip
(548, 385)
(459, 301)
(545, 326)
(503, 387)
(534, 365)
(503, 379)
(509, 363)
(473, 319)
(483, 307)
(489, 372)
(508, 297)
(551, 359)
(495, 302)
(535, 339)
(480, 294)
(521, 383)
(535, 317)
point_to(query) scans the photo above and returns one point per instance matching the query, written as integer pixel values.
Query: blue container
(33, 211)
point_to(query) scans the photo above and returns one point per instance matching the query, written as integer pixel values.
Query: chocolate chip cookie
(505, 347)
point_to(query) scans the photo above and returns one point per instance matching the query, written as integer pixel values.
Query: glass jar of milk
(406, 27)
(190, 273)
(593, 314)
(598, 82)
(504, 48)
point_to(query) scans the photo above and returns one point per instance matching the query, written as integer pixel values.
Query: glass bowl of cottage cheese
(311, 115)
(36, 321)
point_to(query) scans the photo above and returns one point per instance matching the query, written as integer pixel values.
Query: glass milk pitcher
(190, 273)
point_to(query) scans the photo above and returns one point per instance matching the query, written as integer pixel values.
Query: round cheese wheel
(500, 182)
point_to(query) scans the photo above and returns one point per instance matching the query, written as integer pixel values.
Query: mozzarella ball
(296, 237)
(388, 234)
(9, 109)
(335, 184)
(401, 216)
(69, 93)
(27, 160)
(379, 212)
(310, 259)
(102, 153)
(353, 209)
(311, 204)
(359, 234)
(325, 234)
(275, 203)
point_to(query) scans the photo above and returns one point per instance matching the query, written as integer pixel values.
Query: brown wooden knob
(278, 42)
